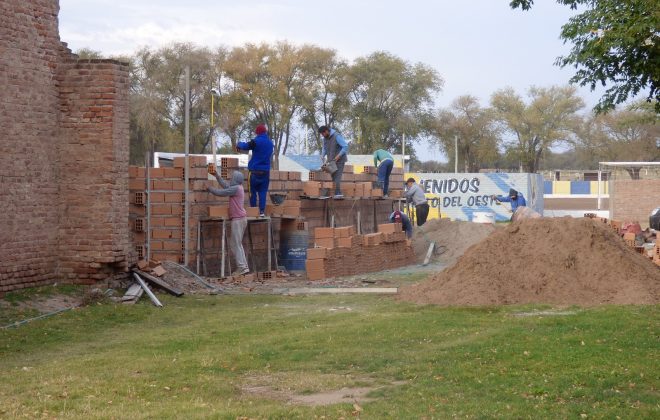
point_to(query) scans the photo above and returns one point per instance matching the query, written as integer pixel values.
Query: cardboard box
(324, 232)
(317, 253)
(219, 211)
(325, 242)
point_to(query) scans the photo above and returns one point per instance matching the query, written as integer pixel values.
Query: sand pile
(557, 261)
(451, 239)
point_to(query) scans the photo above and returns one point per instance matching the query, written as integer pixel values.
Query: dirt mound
(451, 238)
(556, 261)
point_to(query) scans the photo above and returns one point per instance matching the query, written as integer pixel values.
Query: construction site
(145, 247)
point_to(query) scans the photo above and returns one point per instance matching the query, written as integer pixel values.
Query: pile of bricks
(342, 252)
(357, 181)
(630, 238)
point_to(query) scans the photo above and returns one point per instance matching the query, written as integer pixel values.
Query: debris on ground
(555, 261)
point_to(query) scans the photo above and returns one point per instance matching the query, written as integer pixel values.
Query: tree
(616, 43)
(629, 135)
(474, 126)
(158, 97)
(549, 118)
(270, 79)
(392, 98)
(326, 99)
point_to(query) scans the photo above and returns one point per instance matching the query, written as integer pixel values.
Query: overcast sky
(477, 46)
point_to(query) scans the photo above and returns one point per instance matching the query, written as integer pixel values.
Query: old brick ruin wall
(64, 161)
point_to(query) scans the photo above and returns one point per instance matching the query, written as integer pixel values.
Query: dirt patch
(313, 390)
(452, 239)
(557, 261)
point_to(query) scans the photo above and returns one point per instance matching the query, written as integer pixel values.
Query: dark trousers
(421, 212)
(384, 171)
(259, 181)
(336, 177)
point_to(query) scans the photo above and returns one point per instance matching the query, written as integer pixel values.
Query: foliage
(158, 98)
(392, 98)
(197, 356)
(549, 118)
(629, 135)
(476, 131)
(615, 43)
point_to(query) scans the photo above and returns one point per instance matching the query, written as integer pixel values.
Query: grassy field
(255, 356)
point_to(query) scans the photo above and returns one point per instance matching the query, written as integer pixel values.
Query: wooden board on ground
(160, 283)
(339, 290)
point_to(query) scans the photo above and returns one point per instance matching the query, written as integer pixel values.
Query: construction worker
(384, 168)
(415, 195)
(259, 166)
(400, 217)
(334, 148)
(238, 216)
(515, 198)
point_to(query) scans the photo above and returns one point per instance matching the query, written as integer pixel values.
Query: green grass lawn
(195, 357)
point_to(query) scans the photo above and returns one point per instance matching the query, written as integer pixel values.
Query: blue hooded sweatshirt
(262, 152)
(519, 200)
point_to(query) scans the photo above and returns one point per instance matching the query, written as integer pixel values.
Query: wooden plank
(160, 283)
(340, 290)
(151, 295)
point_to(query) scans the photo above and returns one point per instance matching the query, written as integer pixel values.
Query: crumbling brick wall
(633, 200)
(64, 157)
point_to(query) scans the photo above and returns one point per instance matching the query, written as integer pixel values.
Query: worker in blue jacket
(259, 166)
(515, 198)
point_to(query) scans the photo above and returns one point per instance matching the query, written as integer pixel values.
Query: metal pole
(455, 154)
(148, 193)
(403, 152)
(213, 132)
(186, 233)
(600, 172)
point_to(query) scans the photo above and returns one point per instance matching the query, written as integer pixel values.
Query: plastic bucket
(483, 217)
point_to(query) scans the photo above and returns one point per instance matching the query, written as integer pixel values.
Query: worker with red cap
(259, 166)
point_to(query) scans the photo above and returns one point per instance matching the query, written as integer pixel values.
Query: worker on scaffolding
(259, 166)
(384, 162)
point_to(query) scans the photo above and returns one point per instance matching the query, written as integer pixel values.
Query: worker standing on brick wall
(384, 168)
(515, 198)
(406, 224)
(259, 166)
(334, 148)
(415, 195)
(238, 216)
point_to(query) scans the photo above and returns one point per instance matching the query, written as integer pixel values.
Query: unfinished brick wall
(633, 200)
(63, 166)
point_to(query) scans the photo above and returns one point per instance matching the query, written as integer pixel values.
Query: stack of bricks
(629, 238)
(341, 252)
(656, 253)
(357, 181)
(166, 196)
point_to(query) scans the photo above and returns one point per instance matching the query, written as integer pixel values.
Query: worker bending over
(259, 166)
(406, 225)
